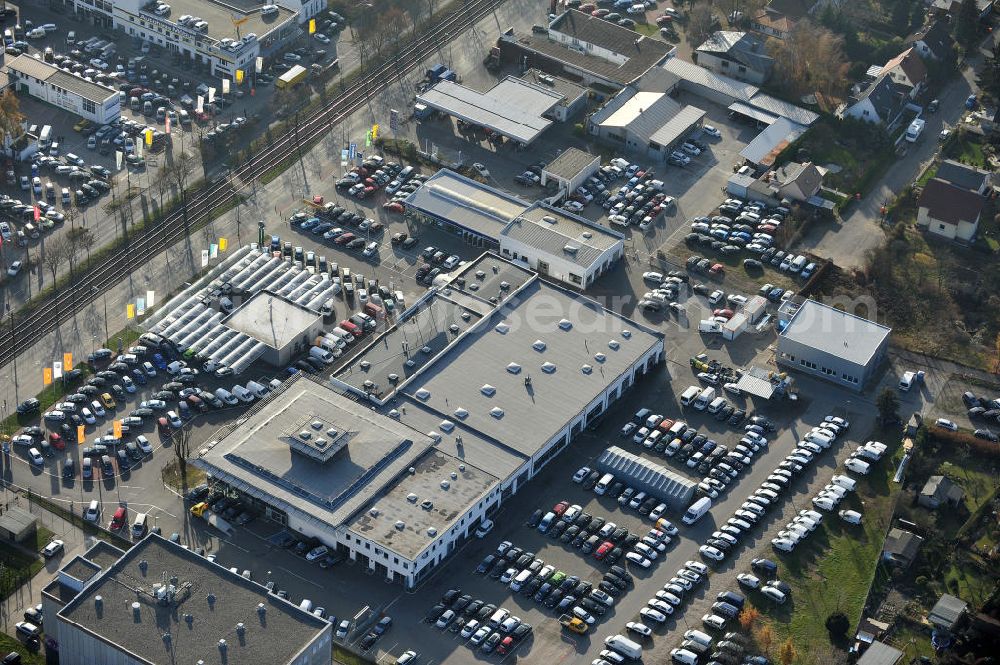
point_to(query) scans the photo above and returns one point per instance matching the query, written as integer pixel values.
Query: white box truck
(697, 510)
(624, 646)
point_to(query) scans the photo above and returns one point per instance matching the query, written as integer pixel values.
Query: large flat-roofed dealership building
(93, 101)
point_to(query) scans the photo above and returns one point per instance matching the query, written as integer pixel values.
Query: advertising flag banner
(312, 26)
(56, 369)
(166, 125)
(374, 132)
(149, 298)
(149, 137)
(46, 376)
(213, 251)
(204, 258)
(225, 86)
(259, 65)
(200, 107)
(138, 149)
(38, 213)
(117, 429)
(118, 159)
(239, 76)
(393, 119)
(130, 311)
(80, 435)
(140, 306)
(223, 244)
(68, 360)
(343, 158)
(353, 150)
(211, 95)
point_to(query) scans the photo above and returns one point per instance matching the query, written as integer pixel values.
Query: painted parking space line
(295, 575)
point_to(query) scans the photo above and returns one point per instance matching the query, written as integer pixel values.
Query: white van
(819, 439)
(36, 457)
(696, 510)
(226, 396)
(689, 395)
(306, 605)
(624, 645)
(139, 526)
(322, 354)
(330, 343)
(704, 398)
(716, 404)
(342, 335)
(857, 466)
(257, 389)
(603, 484)
(521, 579)
(242, 394)
(93, 512)
(699, 637)
(684, 657)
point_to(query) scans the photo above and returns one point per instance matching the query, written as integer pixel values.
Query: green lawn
(966, 150)
(8, 644)
(344, 657)
(18, 567)
(832, 569)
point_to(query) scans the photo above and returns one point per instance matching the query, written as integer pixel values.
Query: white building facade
(93, 101)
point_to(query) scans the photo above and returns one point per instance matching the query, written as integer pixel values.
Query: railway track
(19, 331)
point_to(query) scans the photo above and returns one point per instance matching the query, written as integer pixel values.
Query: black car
(583, 520)
(615, 581)
(535, 518)
(596, 524)
(521, 632)
(451, 596)
(557, 530)
(486, 564)
(499, 568)
(609, 588)
(368, 641)
(486, 612)
(532, 587)
(764, 566)
(591, 480)
(725, 412)
(738, 416)
(593, 606)
(473, 608)
(554, 598)
(569, 534)
(985, 434)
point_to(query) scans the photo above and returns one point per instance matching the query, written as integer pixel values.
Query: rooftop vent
(466, 316)
(548, 368)
(453, 328)
(566, 324)
(136, 611)
(166, 638)
(488, 390)
(504, 285)
(480, 274)
(496, 412)
(411, 497)
(445, 484)
(434, 435)
(320, 442)
(627, 334)
(454, 476)
(614, 344)
(240, 628)
(473, 287)
(425, 349)
(411, 470)
(393, 378)
(514, 368)
(432, 532)
(586, 369)
(400, 525)
(549, 218)
(332, 433)
(317, 425)
(461, 413)
(410, 363)
(305, 434)
(461, 467)
(222, 645)
(210, 598)
(98, 601)
(427, 504)
(588, 234)
(600, 357)
(539, 345)
(374, 512)
(502, 328)
(446, 425)
(570, 249)
(423, 394)
(261, 608)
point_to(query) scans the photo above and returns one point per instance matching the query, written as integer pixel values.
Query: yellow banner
(223, 243)
(130, 311)
(312, 26)
(80, 436)
(117, 429)
(374, 132)
(239, 76)
(67, 361)
(149, 137)
(46, 375)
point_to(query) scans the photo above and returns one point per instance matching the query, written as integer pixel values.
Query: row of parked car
(483, 625)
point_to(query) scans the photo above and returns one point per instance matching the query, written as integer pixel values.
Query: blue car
(139, 376)
(774, 295)
(159, 362)
(275, 243)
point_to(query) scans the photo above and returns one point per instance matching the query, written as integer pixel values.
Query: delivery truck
(202, 510)
(292, 77)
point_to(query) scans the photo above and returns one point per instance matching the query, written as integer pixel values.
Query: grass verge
(832, 570)
(8, 644)
(344, 657)
(178, 480)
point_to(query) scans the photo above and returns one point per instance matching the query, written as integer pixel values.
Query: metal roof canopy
(753, 383)
(751, 112)
(512, 108)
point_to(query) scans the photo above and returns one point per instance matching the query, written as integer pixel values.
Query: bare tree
(700, 23)
(810, 60)
(54, 254)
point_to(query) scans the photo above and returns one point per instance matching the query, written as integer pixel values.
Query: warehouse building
(161, 603)
(228, 36)
(93, 101)
(562, 246)
(832, 344)
(651, 123)
(646, 476)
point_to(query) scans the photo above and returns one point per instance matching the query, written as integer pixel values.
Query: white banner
(140, 306)
(166, 126)
(211, 95)
(56, 369)
(201, 104)
(213, 250)
(225, 86)
(149, 298)
(118, 159)
(138, 148)
(204, 258)
(259, 65)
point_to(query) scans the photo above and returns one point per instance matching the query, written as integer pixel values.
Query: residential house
(949, 210)
(939, 490)
(797, 181)
(881, 102)
(779, 17)
(948, 612)
(907, 70)
(964, 176)
(901, 547)
(943, 7)
(934, 42)
(736, 54)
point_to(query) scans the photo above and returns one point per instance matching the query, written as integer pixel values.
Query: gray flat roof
(784, 109)
(556, 231)
(489, 276)
(513, 107)
(256, 456)
(835, 332)
(220, 17)
(271, 319)
(35, 68)
(408, 345)
(466, 203)
(403, 502)
(880, 653)
(17, 520)
(570, 91)
(216, 599)
(81, 568)
(570, 162)
(481, 378)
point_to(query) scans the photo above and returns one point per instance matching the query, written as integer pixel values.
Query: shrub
(838, 624)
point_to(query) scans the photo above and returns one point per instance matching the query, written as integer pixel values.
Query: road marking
(295, 575)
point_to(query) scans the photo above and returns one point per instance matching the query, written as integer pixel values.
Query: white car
(824, 502)
(88, 416)
(691, 149)
(317, 552)
(469, 628)
(944, 423)
(53, 548)
(650, 614)
(582, 473)
(484, 528)
(714, 621)
(573, 206)
(445, 619)
(370, 249)
(783, 544)
(654, 277)
(716, 297)
(144, 445)
(128, 384)
(661, 605)
(627, 429)
(639, 628)
(669, 598)
(711, 131)
(98, 410)
(174, 419)
(478, 636)
(774, 594)
(481, 170)
(321, 38)
(850, 516)
(710, 552)
(14, 268)
(638, 559)
(748, 580)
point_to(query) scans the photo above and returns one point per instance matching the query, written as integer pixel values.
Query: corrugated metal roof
(513, 107)
(43, 71)
(784, 109)
(552, 231)
(692, 73)
(751, 112)
(756, 386)
(678, 126)
(647, 476)
(32, 67)
(772, 141)
(651, 116)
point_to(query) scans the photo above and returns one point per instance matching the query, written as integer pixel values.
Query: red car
(664, 20)
(603, 550)
(56, 441)
(163, 424)
(665, 425)
(717, 269)
(393, 206)
(588, 7)
(506, 645)
(318, 199)
(344, 239)
(560, 508)
(767, 228)
(725, 313)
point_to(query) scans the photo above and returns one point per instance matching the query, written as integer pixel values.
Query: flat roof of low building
(880, 653)
(466, 203)
(570, 91)
(256, 454)
(433, 493)
(130, 617)
(17, 521)
(561, 233)
(531, 365)
(569, 163)
(220, 17)
(835, 332)
(43, 71)
(513, 107)
(272, 319)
